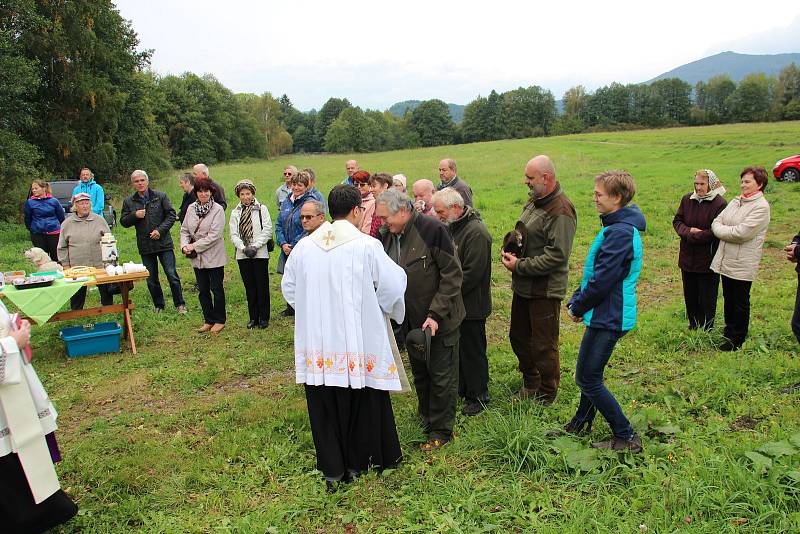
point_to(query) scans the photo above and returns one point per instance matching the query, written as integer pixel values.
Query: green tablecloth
(42, 303)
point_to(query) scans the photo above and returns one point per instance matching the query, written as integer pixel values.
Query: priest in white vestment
(343, 286)
(31, 499)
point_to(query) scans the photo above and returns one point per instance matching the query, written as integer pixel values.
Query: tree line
(75, 91)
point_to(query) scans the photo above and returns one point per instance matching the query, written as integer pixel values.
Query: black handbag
(193, 253)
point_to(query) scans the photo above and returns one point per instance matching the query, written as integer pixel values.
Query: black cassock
(353, 430)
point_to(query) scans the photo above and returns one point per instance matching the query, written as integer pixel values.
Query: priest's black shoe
(263, 324)
(251, 324)
(288, 312)
(728, 346)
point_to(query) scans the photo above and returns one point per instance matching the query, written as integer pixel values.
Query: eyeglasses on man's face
(309, 217)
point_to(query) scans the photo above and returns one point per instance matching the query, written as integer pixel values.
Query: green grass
(199, 434)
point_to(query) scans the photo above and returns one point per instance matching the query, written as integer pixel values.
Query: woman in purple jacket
(43, 218)
(698, 245)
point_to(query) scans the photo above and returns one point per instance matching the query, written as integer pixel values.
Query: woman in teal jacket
(606, 303)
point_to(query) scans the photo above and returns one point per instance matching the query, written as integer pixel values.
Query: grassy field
(199, 434)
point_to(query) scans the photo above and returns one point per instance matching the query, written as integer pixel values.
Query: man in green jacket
(423, 247)
(539, 280)
(474, 249)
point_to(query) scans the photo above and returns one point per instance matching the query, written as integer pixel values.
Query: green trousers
(436, 382)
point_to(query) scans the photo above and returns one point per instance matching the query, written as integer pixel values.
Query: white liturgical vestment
(341, 283)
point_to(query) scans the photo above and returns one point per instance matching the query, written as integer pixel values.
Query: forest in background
(75, 90)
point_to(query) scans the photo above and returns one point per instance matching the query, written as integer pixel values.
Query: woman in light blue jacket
(93, 189)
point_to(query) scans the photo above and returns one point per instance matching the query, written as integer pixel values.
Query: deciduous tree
(432, 123)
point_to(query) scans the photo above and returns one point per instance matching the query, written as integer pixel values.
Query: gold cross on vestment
(328, 238)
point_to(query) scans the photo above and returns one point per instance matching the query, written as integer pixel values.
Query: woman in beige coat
(741, 228)
(203, 242)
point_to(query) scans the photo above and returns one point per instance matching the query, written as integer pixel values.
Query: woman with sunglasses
(361, 181)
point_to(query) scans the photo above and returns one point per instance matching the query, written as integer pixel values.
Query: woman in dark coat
(698, 245)
(43, 218)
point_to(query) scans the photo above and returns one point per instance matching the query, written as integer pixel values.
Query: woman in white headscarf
(692, 223)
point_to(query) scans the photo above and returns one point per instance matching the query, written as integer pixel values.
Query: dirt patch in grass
(744, 422)
(134, 392)
(261, 385)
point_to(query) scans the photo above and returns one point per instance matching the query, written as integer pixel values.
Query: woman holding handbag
(251, 229)
(203, 242)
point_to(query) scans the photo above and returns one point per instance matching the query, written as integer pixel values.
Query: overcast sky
(378, 53)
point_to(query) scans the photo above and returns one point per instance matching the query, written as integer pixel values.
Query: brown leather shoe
(618, 444)
(205, 328)
(525, 394)
(217, 328)
(433, 444)
(544, 400)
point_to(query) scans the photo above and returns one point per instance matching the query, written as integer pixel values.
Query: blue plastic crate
(91, 339)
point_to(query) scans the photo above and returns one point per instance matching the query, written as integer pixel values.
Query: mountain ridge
(733, 64)
(737, 66)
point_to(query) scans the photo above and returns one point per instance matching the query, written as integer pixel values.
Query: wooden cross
(328, 238)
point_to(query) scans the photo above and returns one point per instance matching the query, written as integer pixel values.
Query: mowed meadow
(210, 434)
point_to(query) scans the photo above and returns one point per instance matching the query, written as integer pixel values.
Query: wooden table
(125, 282)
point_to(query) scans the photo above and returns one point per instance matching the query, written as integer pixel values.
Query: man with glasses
(312, 215)
(285, 189)
(423, 247)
